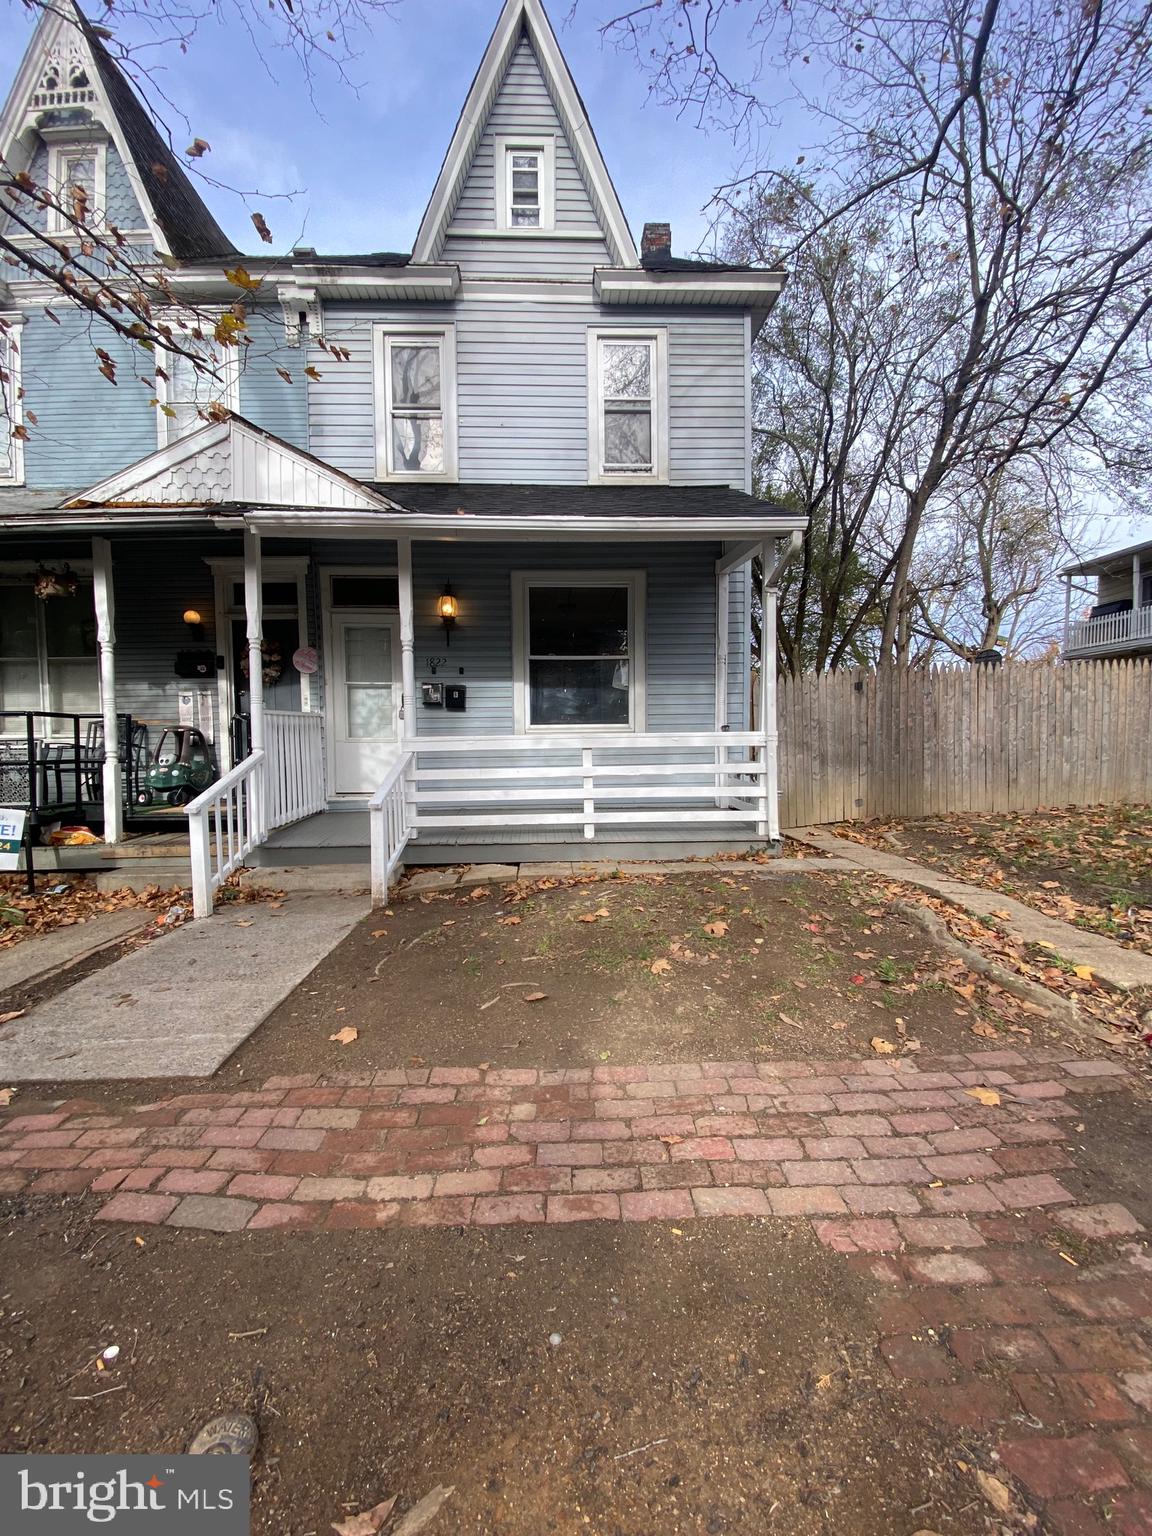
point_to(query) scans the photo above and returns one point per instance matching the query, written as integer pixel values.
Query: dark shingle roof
(192, 234)
(513, 501)
(661, 261)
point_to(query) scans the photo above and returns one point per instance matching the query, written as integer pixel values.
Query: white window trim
(637, 584)
(229, 369)
(542, 144)
(384, 337)
(58, 155)
(14, 573)
(12, 405)
(659, 472)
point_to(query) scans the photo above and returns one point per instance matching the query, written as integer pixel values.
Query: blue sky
(364, 161)
(361, 160)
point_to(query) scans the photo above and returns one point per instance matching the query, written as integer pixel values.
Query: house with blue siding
(479, 517)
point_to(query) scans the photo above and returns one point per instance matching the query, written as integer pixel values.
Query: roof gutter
(468, 526)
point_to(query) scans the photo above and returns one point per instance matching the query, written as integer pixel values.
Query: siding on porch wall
(522, 371)
(681, 627)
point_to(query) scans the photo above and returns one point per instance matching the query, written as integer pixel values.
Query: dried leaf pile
(1091, 867)
(22, 916)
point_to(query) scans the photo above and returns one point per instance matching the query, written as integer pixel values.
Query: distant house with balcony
(1119, 620)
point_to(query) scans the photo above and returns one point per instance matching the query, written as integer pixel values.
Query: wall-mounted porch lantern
(194, 622)
(448, 610)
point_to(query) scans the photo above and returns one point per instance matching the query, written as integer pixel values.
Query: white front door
(364, 712)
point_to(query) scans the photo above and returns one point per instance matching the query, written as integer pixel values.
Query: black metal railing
(51, 763)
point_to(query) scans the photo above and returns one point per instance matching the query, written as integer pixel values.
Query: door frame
(226, 571)
(329, 613)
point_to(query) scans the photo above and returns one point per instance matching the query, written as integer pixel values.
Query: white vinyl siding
(414, 382)
(522, 389)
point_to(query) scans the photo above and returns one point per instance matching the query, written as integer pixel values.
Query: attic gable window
(525, 184)
(415, 374)
(77, 177)
(627, 395)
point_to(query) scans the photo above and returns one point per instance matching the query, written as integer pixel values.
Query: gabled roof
(178, 220)
(227, 463)
(523, 18)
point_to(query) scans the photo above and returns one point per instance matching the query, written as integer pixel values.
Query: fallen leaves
(716, 930)
(881, 1046)
(368, 1522)
(421, 1515)
(346, 1035)
(986, 1096)
(16, 1013)
(6, 1097)
(594, 917)
(535, 997)
(660, 967)
(998, 1494)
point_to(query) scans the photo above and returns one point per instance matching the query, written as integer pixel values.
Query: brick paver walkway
(1007, 1305)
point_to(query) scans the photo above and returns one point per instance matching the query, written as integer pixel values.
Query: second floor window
(188, 394)
(416, 404)
(627, 429)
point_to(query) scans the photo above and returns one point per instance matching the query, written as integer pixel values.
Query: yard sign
(11, 837)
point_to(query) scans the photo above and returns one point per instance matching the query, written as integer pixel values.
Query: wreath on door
(273, 662)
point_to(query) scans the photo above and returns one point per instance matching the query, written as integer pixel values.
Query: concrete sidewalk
(1119, 967)
(180, 1006)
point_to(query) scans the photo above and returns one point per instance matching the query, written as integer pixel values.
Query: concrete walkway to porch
(181, 1005)
(1119, 967)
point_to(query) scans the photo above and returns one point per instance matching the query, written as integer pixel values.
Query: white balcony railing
(294, 766)
(1110, 630)
(587, 782)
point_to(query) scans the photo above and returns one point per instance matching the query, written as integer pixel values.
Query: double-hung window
(525, 183)
(47, 649)
(78, 176)
(11, 403)
(627, 426)
(187, 396)
(579, 649)
(416, 403)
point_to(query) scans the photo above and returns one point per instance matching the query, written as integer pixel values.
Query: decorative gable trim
(517, 17)
(232, 462)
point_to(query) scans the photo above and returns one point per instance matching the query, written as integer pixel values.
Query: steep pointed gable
(524, 85)
(68, 74)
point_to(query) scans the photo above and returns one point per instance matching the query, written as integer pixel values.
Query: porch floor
(341, 836)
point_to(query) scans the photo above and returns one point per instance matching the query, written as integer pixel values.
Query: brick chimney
(656, 241)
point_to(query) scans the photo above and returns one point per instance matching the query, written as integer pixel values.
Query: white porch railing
(271, 788)
(1110, 630)
(587, 781)
(294, 766)
(224, 825)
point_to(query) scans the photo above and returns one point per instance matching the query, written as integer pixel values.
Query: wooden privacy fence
(920, 741)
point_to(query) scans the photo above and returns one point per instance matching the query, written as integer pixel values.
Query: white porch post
(1135, 588)
(721, 754)
(105, 604)
(407, 634)
(254, 616)
(1067, 608)
(769, 827)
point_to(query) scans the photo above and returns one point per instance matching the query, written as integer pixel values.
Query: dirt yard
(1089, 867)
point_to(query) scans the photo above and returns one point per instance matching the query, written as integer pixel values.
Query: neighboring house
(1119, 622)
(514, 524)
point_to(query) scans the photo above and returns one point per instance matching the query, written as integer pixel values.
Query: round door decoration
(305, 660)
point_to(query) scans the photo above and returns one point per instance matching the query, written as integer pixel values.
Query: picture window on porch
(189, 392)
(579, 651)
(627, 430)
(47, 651)
(416, 404)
